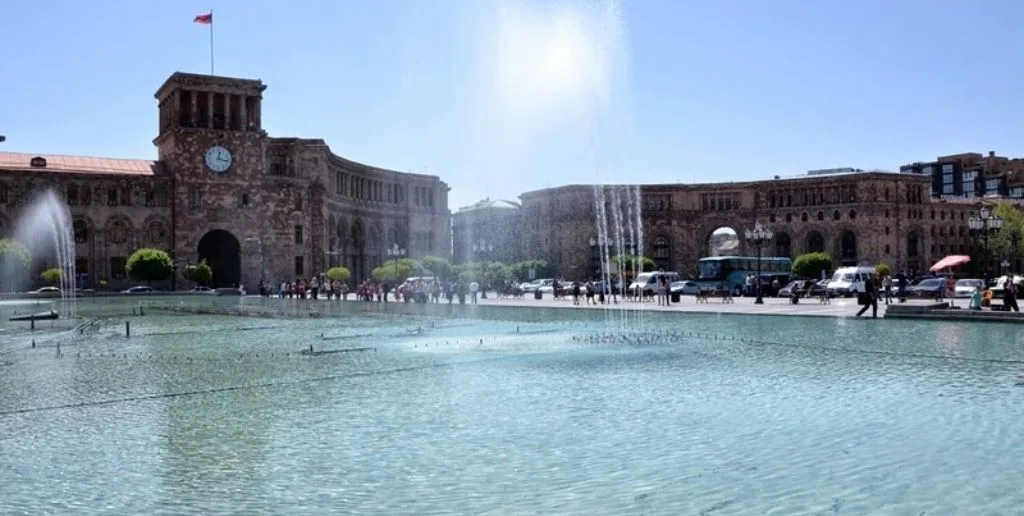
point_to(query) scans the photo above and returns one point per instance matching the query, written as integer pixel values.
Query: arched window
(912, 244)
(853, 214)
(661, 248)
(72, 195)
(117, 233)
(155, 233)
(821, 215)
(81, 231)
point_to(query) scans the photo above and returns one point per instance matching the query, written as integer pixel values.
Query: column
(209, 110)
(194, 103)
(242, 114)
(227, 111)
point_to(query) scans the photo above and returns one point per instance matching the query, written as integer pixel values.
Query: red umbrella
(949, 262)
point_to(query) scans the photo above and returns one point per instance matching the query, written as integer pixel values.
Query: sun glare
(553, 57)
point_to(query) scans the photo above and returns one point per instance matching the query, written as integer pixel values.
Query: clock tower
(212, 144)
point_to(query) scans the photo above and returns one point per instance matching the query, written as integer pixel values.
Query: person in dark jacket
(871, 295)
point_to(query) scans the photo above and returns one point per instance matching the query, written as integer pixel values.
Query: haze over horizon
(498, 97)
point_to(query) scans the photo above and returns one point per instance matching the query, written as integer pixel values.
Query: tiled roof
(77, 164)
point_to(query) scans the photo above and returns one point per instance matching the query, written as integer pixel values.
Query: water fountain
(619, 225)
(45, 227)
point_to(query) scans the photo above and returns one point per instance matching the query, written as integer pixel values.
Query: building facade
(488, 230)
(859, 217)
(971, 175)
(222, 190)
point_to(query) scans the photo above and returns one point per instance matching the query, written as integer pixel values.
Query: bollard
(32, 322)
(141, 311)
(127, 328)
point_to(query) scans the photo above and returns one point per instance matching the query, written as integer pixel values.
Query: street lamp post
(984, 225)
(395, 252)
(485, 248)
(759, 237)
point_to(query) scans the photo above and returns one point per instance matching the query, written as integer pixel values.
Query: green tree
(521, 270)
(882, 269)
(14, 262)
(394, 271)
(149, 265)
(199, 273)
(496, 274)
(51, 276)
(628, 263)
(1001, 242)
(437, 267)
(339, 274)
(810, 265)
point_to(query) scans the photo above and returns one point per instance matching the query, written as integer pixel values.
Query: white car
(46, 290)
(686, 288)
(966, 287)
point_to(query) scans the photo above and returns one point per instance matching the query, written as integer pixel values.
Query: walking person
(1010, 294)
(870, 297)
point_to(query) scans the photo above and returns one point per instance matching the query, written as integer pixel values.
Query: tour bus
(730, 272)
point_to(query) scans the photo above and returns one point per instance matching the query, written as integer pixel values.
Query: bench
(704, 295)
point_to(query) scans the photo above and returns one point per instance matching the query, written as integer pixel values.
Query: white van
(847, 281)
(648, 281)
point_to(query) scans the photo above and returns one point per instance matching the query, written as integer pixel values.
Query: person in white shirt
(474, 287)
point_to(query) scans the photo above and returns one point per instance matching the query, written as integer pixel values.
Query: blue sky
(501, 97)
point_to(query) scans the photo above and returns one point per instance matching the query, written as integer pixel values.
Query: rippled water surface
(482, 410)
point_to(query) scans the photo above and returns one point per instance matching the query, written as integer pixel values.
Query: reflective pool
(482, 410)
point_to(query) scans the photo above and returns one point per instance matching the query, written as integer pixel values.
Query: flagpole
(211, 42)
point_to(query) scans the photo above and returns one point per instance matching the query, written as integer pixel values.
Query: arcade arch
(223, 253)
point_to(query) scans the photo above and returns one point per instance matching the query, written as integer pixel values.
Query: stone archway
(783, 245)
(223, 254)
(724, 241)
(848, 248)
(357, 237)
(815, 242)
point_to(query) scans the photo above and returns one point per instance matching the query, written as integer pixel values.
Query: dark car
(803, 288)
(931, 287)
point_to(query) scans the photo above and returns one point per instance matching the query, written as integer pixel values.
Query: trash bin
(675, 297)
(537, 294)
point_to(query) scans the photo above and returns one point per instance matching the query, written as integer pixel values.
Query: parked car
(931, 287)
(686, 288)
(804, 288)
(45, 290)
(997, 289)
(138, 289)
(966, 287)
(202, 290)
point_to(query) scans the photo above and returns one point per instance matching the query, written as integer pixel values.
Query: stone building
(488, 230)
(858, 217)
(222, 190)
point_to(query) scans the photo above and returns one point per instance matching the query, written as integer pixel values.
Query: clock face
(218, 159)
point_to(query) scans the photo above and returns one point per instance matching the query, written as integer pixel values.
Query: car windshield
(968, 283)
(930, 282)
(842, 277)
